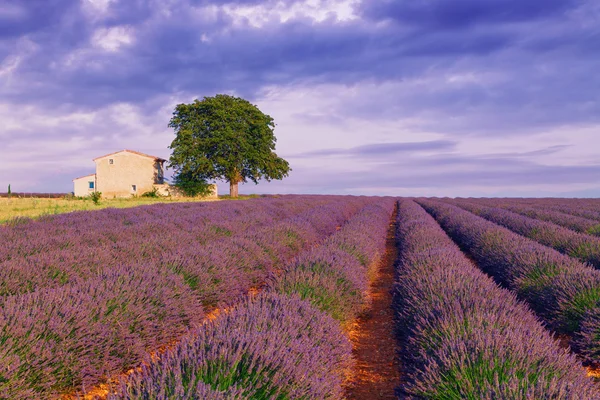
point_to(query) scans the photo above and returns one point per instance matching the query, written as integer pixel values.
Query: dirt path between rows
(377, 371)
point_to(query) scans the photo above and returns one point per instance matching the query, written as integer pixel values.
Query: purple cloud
(451, 70)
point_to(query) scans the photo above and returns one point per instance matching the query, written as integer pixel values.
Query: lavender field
(264, 298)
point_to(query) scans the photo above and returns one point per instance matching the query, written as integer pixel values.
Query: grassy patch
(15, 207)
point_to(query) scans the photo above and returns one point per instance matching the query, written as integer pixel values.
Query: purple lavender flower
(465, 337)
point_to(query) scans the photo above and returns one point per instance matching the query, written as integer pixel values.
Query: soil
(377, 371)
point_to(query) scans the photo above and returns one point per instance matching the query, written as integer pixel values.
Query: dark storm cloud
(169, 54)
(446, 14)
(543, 67)
(18, 17)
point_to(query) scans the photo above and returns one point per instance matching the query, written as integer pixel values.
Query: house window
(91, 184)
(133, 188)
(111, 161)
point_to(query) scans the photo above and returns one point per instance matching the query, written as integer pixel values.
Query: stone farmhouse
(126, 173)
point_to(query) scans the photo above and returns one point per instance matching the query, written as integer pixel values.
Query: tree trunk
(233, 189)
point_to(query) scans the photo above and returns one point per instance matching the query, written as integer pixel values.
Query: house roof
(85, 176)
(131, 151)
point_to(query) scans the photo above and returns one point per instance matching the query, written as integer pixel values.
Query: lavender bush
(50, 252)
(581, 246)
(56, 339)
(572, 222)
(335, 276)
(564, 292)
(463, 336)
(586, 209)
(77, 323)
(271, 347)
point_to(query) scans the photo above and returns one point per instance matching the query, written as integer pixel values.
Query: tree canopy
(223, 137)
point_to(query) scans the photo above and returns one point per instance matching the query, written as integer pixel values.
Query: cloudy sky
(399, 97)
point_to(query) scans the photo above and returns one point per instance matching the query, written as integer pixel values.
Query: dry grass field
(33, 207)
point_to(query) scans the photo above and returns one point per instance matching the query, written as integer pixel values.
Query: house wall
(81, 186)
(116, 180)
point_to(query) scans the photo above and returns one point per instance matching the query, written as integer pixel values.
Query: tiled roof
(85, 176)
(131, 151)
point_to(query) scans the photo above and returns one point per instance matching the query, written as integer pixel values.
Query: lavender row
(573, 222)
(270, 347)
(89, 231)
(79, 334)
(562, 291)
(578, 245)
(463, 336)
(585, 208)
(245, 262)
(172, 238)
(279, 352)
(55, 340)
(335, 276)
(580, 203)
(589, 212)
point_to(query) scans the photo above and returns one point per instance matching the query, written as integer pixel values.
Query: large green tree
(223, 137)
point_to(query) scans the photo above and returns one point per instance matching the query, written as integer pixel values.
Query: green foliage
(96, 196)
(465, 380)
(152, 193)
(586, 251)
(574, 310)
(532, 283)
(326, 289)
(191, 186)
(353, 250)
(9, 191)
(594, 230)
(224, 137)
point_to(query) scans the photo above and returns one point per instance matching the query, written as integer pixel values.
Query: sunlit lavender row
(463, 337)
(270, 347)
(59, 249)
(285, 344)
(256, 299)
(564, 292)
(92, 327)
(24, 236)
(335, 276)
(581, 246)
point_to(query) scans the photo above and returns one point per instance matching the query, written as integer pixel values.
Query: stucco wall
(81, 186)
(127, 169)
